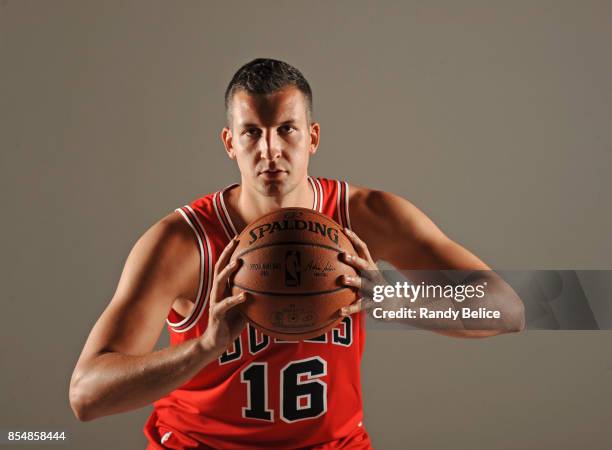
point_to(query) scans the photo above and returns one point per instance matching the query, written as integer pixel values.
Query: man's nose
(271, 146)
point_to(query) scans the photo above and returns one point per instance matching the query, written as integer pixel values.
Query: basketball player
(222, 384)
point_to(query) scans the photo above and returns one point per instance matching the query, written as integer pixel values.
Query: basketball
(291, 268)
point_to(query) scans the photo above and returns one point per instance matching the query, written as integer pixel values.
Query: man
(221, 383)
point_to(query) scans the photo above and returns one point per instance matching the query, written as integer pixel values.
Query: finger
(360, 246)
(226, 254)
(348, 280)
(357, 262)
(222, 278)
(363, 304)
(229, 270)
(220, 309)
(364, 285)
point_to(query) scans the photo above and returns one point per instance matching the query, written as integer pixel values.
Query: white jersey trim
(201, 250)
(338, 195)
(314, 194)
(346, 206)
(343, 203)
(200, 298)
(219, 217)
(229, 219)
(321, 196)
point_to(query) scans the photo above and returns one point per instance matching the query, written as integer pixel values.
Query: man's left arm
(396, 231)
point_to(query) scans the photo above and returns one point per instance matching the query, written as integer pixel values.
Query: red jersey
(263, 393)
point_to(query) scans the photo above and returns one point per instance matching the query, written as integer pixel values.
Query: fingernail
(348, 257)
(348, 279)
(241, 296)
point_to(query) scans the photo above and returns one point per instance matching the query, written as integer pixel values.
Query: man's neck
(246, 204)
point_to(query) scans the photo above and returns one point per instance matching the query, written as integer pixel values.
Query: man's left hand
(368, 275)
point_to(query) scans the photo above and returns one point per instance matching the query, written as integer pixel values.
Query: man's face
(271, 139)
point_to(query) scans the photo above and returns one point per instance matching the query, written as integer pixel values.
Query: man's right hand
(224, 322)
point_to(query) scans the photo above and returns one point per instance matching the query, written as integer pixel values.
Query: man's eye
(252, 132)
(286, 129)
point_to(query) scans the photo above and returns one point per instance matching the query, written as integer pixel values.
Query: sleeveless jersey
(263, 392)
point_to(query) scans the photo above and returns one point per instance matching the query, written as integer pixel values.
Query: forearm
(500, 297)
(113, 382)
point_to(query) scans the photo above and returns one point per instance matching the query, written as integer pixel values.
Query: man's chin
(274, 187)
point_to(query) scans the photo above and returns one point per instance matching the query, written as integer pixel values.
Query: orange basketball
(291, 269)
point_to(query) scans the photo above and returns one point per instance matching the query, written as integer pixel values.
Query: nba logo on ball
(292, 268)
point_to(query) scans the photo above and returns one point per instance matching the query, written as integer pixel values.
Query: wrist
(208, 347)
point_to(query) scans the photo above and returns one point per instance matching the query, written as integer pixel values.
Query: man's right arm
(117, 370)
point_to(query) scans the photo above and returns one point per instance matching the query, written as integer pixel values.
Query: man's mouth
(272, 171)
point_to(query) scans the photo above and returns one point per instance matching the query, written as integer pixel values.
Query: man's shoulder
(376, 214)
(170, 234)
(173, 224)
(372, 203)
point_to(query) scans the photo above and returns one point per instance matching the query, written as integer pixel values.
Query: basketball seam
(288, 243)
(291, 294)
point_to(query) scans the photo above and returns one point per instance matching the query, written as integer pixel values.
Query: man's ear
(315, 133)
(226, 137)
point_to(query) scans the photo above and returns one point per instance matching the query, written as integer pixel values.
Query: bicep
(160, 268)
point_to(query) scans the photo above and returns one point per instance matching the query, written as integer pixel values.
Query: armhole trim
(315, 202)
(205, 271)
(320, 196)
(342, 203)
(227, 216)
(346, 206)
(221, 221)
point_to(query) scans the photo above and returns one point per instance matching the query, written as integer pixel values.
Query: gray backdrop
(492, 117)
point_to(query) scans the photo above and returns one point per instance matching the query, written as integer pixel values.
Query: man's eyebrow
(289, 121)
(249, 125)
